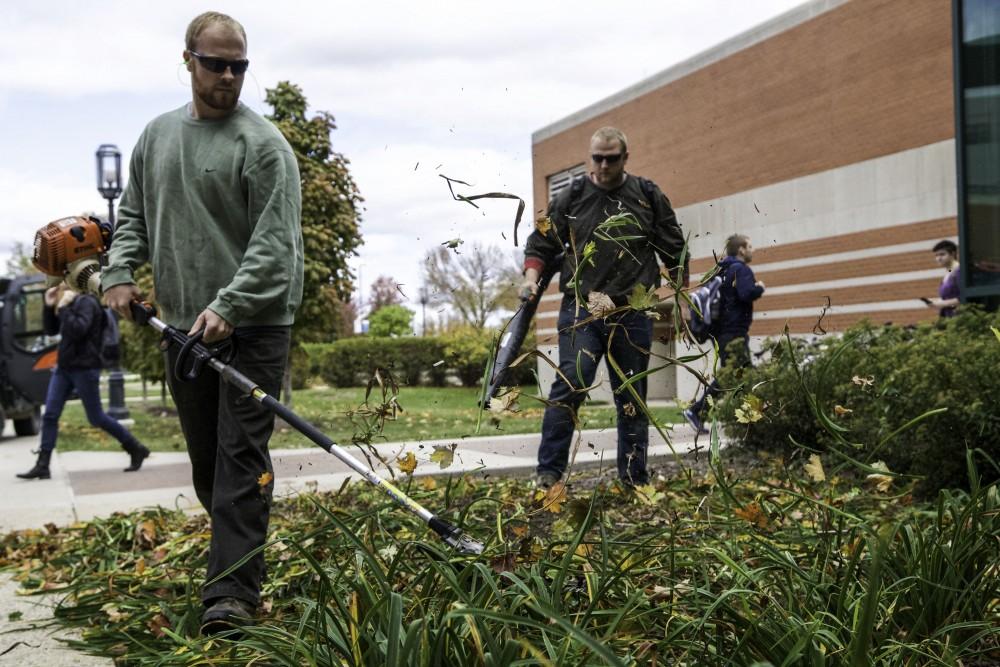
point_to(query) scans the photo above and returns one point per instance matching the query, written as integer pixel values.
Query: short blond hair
(735, 242)
(608, 133)
(202, 21)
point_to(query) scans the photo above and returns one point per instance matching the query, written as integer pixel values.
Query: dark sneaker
(226, 614)
(136, 456)
(695, 422)
(546, 480)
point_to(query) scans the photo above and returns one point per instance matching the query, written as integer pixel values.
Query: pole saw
(71, 248)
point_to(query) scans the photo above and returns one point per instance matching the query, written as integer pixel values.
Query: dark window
(979, 101)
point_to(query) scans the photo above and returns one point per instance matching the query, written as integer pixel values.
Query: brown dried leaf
(428, 483)
(265, 478)
(753, 514)
(156, 625)
(145, 533)
(140, 566)
(543, 224)
(841, 411)
(599, 304)
(814, 468)
(555, 498)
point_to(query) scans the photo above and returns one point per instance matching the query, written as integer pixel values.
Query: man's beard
(223, 99)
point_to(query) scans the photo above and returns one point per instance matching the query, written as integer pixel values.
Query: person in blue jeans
(603, 263)
(78, 319)
(738, 292)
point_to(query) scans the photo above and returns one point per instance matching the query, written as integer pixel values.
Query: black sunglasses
(219, 65)
(610, 159)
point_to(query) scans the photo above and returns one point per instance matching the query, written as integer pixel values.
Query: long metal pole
(453, 536)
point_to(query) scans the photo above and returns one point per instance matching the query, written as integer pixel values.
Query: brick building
(827, 134)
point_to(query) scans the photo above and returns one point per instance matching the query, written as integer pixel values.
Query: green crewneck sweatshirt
(215, 206)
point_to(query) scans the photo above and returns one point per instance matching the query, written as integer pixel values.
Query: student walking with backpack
(80, 322)
(737, 292)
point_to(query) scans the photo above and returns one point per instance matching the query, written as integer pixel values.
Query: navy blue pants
(624, 338)
(713, 389)
(227, 436)
(86, 381)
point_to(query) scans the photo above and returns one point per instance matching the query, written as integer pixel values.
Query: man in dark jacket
(611, 226)
(738, 292)
(78, 319)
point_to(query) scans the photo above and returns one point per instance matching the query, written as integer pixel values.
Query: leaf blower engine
(73, 249)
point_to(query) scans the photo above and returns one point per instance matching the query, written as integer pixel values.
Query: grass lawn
(429, 413)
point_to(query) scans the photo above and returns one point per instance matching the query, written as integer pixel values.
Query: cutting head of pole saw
(464, 544)
(71, 249)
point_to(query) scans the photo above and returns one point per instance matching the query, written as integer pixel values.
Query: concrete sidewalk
(89, 484)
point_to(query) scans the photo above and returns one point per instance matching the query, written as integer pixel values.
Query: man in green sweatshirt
(213, 202)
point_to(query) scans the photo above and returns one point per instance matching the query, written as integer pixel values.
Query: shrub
(394, 320)
(466, 351)
(350, 362)
(870, 385)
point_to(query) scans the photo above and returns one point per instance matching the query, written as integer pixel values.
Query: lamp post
(424, 298)
(109, 184)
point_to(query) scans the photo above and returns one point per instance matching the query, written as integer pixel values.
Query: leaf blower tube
(516, 331)
(72, 249)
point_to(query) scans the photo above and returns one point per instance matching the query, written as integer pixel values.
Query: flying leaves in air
(643, 299)
(599, 304)
(453, 244)
(470, 199)
(444, 455)
(407, 463)
(814, 468)
(265, 478)
(752, 410)
(505, 402)
(544, 225)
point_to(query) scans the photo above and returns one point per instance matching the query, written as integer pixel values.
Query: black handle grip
(142, 312)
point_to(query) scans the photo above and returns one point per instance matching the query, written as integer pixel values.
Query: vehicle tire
(29, 425)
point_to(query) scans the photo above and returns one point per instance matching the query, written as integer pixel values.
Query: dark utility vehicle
(27, 355)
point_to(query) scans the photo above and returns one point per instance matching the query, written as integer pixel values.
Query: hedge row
(429, 360)
(868, 386)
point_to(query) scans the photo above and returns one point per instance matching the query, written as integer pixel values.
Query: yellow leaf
(543, 225)
(265, 478)
(555, 498)
(519, 531)
(444, 455)
(751, 411)
(505, 400)
(428, 483)
(814, 468)
(407, 463)
(863, 382)
(140, 566)
(145, 533)
(841, 411)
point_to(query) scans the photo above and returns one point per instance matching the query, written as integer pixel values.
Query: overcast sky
(417, 88)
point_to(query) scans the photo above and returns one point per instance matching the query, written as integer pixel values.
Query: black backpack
(110, 339)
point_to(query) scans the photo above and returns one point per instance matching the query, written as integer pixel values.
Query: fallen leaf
(554, 498)
(753, 514)
(140, 566)
(265, 478)
(882, 480)
(519, 531)
(114, 614)
(156, 625)
(428, 483)
(629, 409)
(407, 463)
(814, 468)
(145, 533)
(444, 455)
(841, 411)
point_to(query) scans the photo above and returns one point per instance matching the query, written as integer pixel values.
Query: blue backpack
(706, 306)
